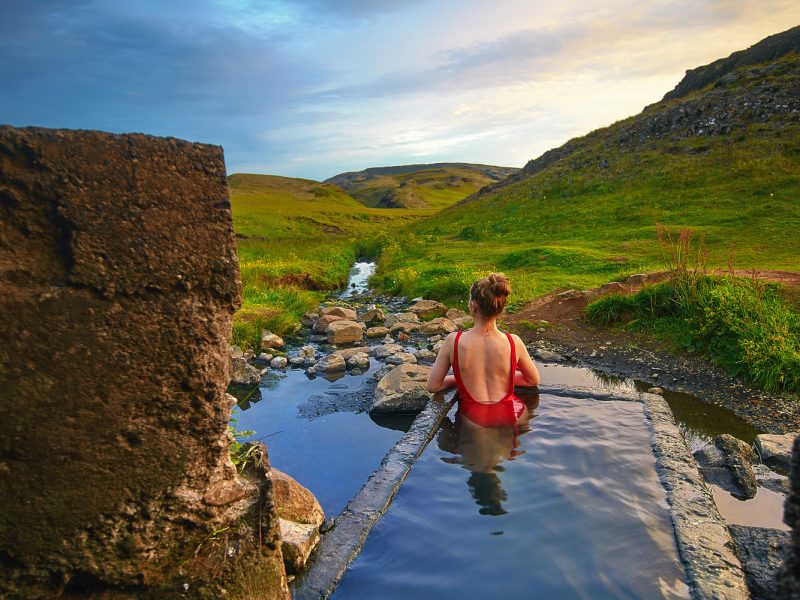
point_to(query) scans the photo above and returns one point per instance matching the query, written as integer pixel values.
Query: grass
(743, 324)
(568, 228)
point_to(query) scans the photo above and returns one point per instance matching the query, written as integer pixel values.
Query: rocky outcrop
(788, 579)
(300, 517)
(402, 390)
(118, 283)
(738, 458)
(776, 450)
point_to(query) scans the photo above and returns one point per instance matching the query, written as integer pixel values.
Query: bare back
(485, 364)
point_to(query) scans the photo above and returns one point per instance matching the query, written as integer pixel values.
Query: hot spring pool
(568, 507)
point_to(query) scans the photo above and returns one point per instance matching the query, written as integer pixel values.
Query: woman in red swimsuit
(486, 362)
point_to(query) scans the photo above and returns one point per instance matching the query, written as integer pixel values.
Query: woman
(486, 362)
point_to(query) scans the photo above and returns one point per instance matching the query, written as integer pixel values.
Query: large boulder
(438, 325)
(373, 315)
(376, 332)
(402, 390)
(338, 311)
(295, 502)
(385, 350)
(332, 362)
(242, 373)
(403, 327)
(776, 450)
(401, 358)
(269, 341)
(428, 309)
(455, 313)
(118, 285)
(322, 324)
(406, 317)
(298, 541)
(738, 457)
(345, 332)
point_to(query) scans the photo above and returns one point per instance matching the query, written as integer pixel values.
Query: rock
(236, 352)
(401, 358)
(403, 327)
(402, 390)
(279, 362)
(455, 313)
(426, 309)
(297, 361)
(426, 355)
(402, 337)
(776, 450)
(344, 332)
(270, 341)
(769, 479)
(307, 352)
(387, 350)
(346, 353)
(298, 540)
(656, 390)
(388, 340)
(243, 373)
(265, 357)
(463, 323)
(438, 325)
(406, 317)
(295, 502)
(374, 332)
(761, 551)
(438, 346)
(739, 459)
(373, 315)
(382, 372)
(338, 311)
(249, 354)
(358, 361)
(318, 338)
(787, 580)
(311, 372)
(308, 319)
(332, 362)
(324, 322)
(547, 356)
(611, 287)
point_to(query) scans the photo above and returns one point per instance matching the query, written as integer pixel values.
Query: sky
(312, 88)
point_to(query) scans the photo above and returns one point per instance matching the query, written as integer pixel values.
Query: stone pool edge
(342, 543)
(704, 541)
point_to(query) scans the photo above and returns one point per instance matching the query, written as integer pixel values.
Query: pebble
(279, 362)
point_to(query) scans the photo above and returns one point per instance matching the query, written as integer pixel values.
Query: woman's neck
(483, 324)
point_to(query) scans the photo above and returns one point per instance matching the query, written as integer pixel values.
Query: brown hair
(490, 294)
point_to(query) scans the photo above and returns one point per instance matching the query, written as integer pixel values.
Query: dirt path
(638, 356)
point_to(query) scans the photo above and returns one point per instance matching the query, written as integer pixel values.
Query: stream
(579, 481)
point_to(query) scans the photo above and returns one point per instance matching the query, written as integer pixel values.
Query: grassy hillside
(723, 160)
(418, 186)
(295, 239)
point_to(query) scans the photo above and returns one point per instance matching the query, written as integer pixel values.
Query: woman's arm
(438, 379)
(527, 373)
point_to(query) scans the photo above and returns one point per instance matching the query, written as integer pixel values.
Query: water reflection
(481, 450)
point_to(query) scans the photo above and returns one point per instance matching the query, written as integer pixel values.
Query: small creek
(578, 512)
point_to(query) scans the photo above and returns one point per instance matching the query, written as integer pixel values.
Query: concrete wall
(118, 282)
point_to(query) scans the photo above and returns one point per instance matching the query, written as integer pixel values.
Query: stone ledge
(342, 543)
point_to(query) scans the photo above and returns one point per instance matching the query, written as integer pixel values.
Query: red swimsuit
(503, 413)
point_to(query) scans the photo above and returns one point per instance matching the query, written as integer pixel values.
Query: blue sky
(312, 88)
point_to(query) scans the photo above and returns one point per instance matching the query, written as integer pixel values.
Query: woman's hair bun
(499, 284)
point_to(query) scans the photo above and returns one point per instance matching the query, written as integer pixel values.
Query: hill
(436, 185)
(722, 159)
